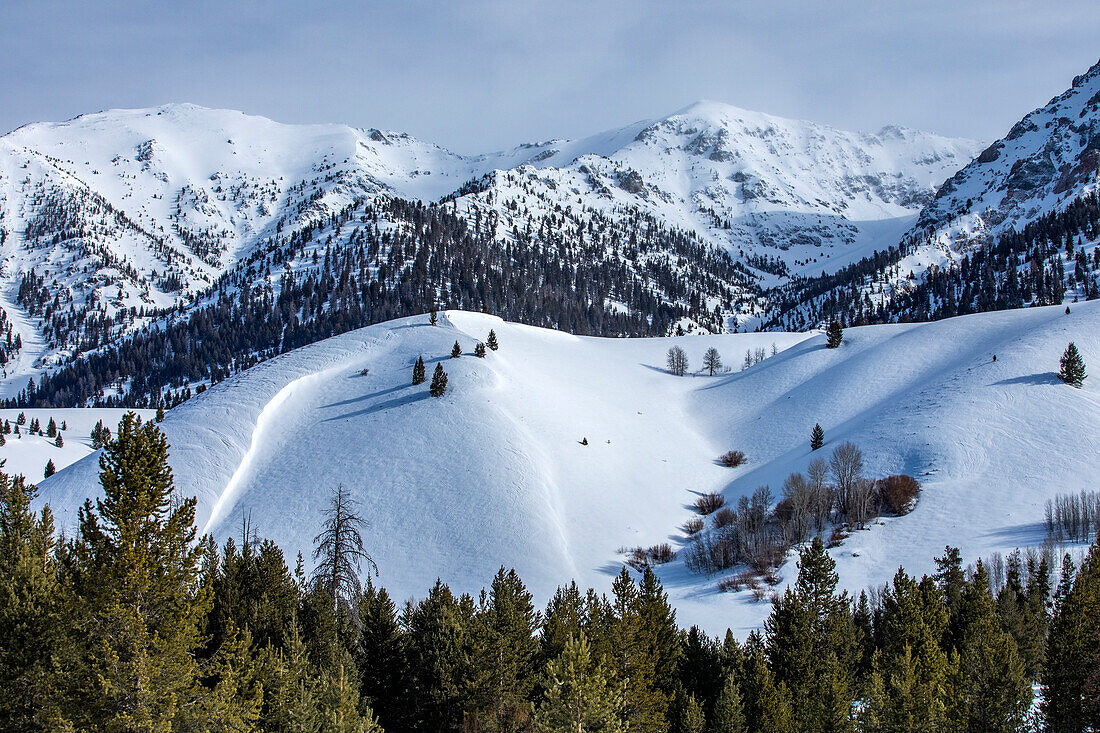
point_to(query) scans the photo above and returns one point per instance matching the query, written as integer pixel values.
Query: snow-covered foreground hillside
(27, 454)
(495, 472)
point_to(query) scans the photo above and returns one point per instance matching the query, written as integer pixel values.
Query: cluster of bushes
(641, 558)
(759, 531)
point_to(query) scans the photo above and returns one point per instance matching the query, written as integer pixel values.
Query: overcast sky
(484, 75)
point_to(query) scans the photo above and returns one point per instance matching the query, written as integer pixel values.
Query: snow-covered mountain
(556, 451)
(1048, 159)
(784, 195)
(124, 213)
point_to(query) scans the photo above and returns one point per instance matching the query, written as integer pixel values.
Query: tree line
(383, 259)
(135, 623)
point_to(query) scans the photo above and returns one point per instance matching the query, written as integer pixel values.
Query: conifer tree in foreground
(817, 437)
(456, 351)
(418, 371)
(581, 694)
(28, 605)
(137, 602)
(438, 387)
(1071, 680)
(491, 341)
(834, 334)
(1072, 370)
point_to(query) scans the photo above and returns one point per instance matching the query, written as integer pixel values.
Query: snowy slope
(1047, 159)
(27, 454)
(495, 473)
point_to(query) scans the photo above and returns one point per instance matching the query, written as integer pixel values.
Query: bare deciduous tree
(338, 549)
(712, 361)
(677, 361)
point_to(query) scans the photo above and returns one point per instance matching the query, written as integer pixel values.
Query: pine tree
(456, 351)
(28, 608)
(1071, 679)
(50, 469)
(508, 653)
(812, 644)
(51, 429)
(418, 371)
(491, 340)
(987, 686)
(712, 361)
(1072, 370)
(817, 437)
(834, 334)
(379, 655)
(160, 413)
(728, 715)
(691, 718)
(479, 350)
(433, 316)
(136, 605)
(438, 387)
(60, 441)
(580, 696)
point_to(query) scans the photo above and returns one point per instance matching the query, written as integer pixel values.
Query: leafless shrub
(759, 594)
(643, 557)
(898, 493)
(677, 361)
(733, 459)
(364, 371)
(729, 585)
(709, 503)
(724, 517)
(692, 526)
(838, 535)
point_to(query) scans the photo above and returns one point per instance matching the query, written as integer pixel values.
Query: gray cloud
(490, 73)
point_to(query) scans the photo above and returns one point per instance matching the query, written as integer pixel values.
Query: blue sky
(484, 75)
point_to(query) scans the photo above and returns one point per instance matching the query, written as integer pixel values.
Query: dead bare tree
(338, 550)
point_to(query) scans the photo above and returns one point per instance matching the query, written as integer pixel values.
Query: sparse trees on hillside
(677, 361)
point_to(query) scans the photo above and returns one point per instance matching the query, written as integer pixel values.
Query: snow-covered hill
(497, 472)
(124, 213)
(1048, 159)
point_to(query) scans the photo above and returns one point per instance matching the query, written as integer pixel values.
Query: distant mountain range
(125, 220)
